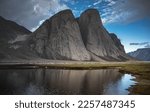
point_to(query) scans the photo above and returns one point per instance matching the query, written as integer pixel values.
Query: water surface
(57, 81)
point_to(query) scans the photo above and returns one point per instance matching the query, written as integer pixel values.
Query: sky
(128, 19)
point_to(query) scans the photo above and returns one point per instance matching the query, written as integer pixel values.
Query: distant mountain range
(141, 54)
(61, 37)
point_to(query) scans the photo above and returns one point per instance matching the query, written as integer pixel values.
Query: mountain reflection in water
(56, 81)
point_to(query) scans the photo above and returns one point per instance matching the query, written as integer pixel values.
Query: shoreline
(139, 69)
(70, 64)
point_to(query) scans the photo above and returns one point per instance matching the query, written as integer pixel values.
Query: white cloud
(108, 0)
(33, 29)
(111, 3)
(47, 9)
(89, 5)
(104, 20)
(125, 11)
(98, 2)
(29, 12)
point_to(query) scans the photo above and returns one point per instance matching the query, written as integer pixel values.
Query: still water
(57, 81)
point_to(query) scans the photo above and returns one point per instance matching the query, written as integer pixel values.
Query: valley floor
(140, 69)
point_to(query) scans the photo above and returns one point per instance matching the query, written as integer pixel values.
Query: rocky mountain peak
(142, 54)
(63, 37)
(60, 38)
(96, 38)
(91, 16)
(65, 14)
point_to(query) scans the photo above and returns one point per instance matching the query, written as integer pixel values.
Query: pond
(64, 82)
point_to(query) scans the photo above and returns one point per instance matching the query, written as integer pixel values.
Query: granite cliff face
(97, 40)
(59, 38)
(62, 37)
(141, 54)
(117, 42)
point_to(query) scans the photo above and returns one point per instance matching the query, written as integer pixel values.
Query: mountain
(97, 40)
(9, 30)
(61, 37)
(117, 42)
(12, 40)
(141, 54)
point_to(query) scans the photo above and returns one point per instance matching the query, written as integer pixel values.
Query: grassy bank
(142, 74)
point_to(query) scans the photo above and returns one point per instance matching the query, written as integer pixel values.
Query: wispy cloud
(126, 11)
(98, 2)
(30, 13)
(144, 44)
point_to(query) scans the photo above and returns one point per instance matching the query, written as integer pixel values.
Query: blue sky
(122, 18)
(137, 32)
(128, 19)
